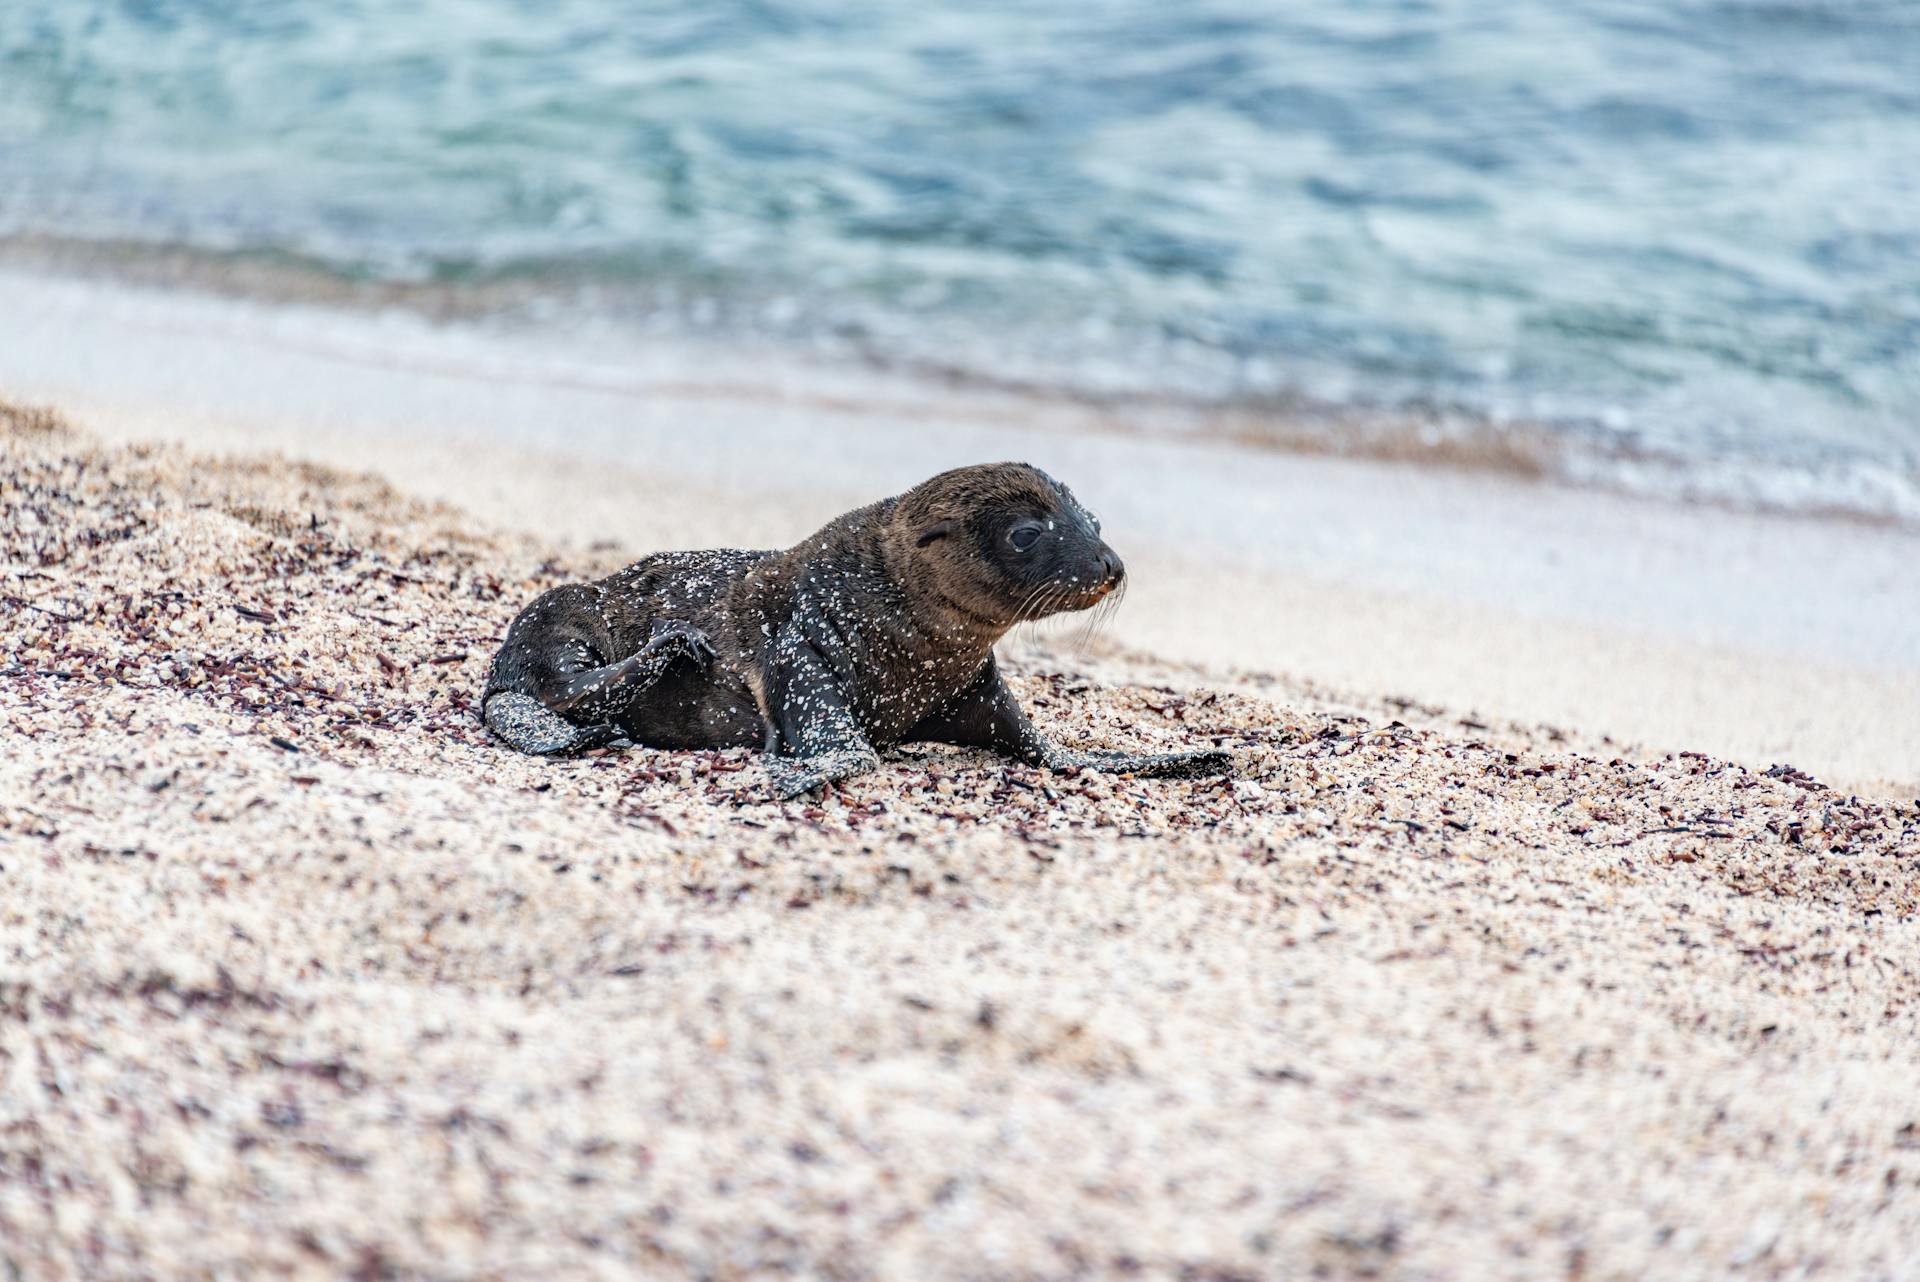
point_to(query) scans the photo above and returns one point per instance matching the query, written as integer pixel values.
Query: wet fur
(877, 630)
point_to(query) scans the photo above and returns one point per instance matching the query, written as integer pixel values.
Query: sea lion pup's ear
(933, 534)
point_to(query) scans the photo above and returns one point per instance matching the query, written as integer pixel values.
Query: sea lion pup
(877, 630)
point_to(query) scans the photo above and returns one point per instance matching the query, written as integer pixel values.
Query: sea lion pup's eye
(1024, 535)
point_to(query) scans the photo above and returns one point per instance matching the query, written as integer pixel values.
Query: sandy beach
(301, 975)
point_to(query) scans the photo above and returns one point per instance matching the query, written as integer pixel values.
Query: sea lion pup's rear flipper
(986, 715)
(528, 725)
(574, 711)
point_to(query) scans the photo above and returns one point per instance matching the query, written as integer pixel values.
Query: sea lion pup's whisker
(1043, 626)
(1021, 611)
(1035, 606)
(1044, 614)
(877, 630)
(1030, 616)
(1088, 621)
(1035, 611)
(1097, 619)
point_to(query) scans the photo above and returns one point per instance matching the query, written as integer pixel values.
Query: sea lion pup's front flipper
(560, 711)
(987, 715)
(789, 777)
(813, 738)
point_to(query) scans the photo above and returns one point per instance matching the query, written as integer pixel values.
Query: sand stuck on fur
(303, 976)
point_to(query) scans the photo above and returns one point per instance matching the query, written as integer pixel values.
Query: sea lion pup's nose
(1111, 567)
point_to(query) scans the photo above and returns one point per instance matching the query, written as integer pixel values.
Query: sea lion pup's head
(1003, 543)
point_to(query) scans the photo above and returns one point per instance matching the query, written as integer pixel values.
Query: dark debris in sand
(301, 975)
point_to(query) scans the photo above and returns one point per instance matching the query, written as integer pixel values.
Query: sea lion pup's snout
(1007, 542)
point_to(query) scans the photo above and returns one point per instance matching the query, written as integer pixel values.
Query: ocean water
(1677, 240)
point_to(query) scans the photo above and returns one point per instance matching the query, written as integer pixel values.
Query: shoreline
(583, 333)
(1650, 626)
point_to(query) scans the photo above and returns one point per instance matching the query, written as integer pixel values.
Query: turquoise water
(1674, 228)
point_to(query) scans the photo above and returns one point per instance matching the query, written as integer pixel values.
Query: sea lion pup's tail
(523, 722)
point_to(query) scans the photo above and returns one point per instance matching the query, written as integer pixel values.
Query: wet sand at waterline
(302, 975)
